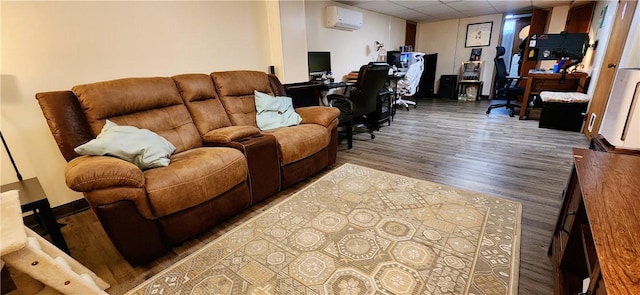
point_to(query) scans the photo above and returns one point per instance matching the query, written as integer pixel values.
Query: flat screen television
(568, 46)
(319, 62)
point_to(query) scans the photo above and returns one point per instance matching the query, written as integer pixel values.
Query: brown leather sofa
(222, 164)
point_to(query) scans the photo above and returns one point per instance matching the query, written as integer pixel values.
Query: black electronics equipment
(319, 62)
(563, 46)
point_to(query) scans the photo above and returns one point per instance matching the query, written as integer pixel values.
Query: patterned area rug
(361, 231)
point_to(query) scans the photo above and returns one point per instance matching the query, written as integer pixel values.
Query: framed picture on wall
(478, 34)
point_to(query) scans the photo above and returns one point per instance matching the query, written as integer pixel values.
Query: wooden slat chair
(37, 266)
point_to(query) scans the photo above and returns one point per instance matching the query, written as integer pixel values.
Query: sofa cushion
(149, 103)
(235, 89)
(275, 112)
(318, 115)
(300, 141)
(564, 97)
(193, 177)
(225, 135)
(141, 147)
(202, 101)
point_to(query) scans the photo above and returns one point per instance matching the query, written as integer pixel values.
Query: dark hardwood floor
(444, 141)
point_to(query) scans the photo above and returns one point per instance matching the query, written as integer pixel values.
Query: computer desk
(537, 82)
(312, 93)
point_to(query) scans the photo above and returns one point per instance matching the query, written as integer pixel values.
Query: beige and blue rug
(361, 231)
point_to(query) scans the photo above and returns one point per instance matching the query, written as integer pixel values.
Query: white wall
(56, 45)
(557, 19)
(631, 54)
(602, 35)
(275, 37)
(441, 37)
(556, 24)
(351, 49)
(294, 41)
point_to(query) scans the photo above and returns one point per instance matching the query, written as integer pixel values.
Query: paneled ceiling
(436, 10)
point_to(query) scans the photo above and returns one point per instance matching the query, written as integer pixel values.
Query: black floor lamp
(6, 147)
(36, 214)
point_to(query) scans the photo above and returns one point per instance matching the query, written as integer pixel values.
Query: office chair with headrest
(505, 87)
(408, 86)
(358, 108)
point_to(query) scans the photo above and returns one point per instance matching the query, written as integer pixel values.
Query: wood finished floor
(444, 141)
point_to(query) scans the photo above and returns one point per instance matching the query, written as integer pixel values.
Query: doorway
(514, 34)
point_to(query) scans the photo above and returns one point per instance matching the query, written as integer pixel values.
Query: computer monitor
(319, 62)
(402, 60)
(393, 58)
(567, 46)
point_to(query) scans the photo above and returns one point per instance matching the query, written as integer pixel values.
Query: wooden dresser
(597, 234)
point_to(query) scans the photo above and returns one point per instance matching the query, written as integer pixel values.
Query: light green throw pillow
(142, 147)
(275, 112)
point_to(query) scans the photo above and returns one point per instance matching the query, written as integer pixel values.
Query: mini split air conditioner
(342, 18)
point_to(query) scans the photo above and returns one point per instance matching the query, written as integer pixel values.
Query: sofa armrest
(225, 135)
(88, 173)
(66, 120)
(318, 115)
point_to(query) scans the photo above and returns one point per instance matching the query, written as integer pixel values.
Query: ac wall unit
(342, 18)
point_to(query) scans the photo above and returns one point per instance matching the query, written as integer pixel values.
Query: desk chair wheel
(373, 136)
(489, 111)
(511, 113)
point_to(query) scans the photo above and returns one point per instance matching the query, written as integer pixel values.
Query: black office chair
(357, 110)
(505, 87)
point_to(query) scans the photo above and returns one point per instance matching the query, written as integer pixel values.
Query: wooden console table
(597, 235)
(535, 83)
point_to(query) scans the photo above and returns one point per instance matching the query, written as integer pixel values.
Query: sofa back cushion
(202, 101)
(150, 103)
(235, 89)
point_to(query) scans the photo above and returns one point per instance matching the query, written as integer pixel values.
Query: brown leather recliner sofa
(222, 164)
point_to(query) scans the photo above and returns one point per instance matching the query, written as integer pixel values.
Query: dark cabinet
(426, 87)
(384, 109)
(448, 86)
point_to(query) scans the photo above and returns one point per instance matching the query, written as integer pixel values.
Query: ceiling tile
(449, 15)
(469, 5)
(381, 6)
(511, 6)
(353, 2)
(412, 15)
(481, 12)
(416, 4)
(436, 9)
(548, 3)
(441, 12)
(431, 10)
(426, 18)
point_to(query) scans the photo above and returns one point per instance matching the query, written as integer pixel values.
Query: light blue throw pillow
(142, 147)
(274, 112)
